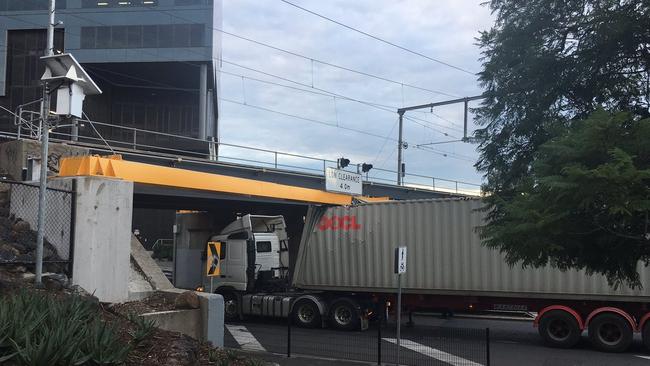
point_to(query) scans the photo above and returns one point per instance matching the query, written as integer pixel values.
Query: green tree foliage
(586, 201)
(548, 64)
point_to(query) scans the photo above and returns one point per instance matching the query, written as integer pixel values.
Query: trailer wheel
(306, 314)
(230, 306)
(343, 315)
(610, 332)
(559, 329)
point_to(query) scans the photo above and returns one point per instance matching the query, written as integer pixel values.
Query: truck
(341, 273)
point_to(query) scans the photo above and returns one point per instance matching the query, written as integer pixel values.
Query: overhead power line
(311, 59)
(378, 38)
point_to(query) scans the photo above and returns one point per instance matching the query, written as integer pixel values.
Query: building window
(116, 3)
(146, 36)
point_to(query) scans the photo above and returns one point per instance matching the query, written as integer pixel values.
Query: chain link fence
(19, 223)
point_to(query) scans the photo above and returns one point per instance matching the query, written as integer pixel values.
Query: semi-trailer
(343, 273)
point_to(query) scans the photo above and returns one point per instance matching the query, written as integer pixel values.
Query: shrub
(39, 329)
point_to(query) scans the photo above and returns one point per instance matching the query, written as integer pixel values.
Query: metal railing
(136, 139)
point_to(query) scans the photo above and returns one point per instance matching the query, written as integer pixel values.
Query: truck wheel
(306, 314)
(230, 306)
(559, 329)
(610, 333)
(344, 316)
(645, 335)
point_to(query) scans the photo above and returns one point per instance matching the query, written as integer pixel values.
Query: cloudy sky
(337, 126)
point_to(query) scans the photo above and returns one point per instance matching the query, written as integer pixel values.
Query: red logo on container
(338, 223)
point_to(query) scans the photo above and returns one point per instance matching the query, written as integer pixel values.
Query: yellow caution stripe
(113, 166)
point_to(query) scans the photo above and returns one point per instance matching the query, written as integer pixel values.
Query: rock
(21, 226)
(27, 257)
(52, 284)
(7, 255)
(19, 247)
(4, 211)
(10, 248)
(49, 253)
(187, 300)
(18, 269)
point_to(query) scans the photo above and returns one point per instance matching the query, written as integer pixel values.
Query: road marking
(645, 357)
(434, 353)
(244, 338)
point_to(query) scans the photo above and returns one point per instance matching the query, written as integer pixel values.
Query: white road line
(245, 339)
(644, 357)
(434, 353)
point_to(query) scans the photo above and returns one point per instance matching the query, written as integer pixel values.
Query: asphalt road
(432, 341)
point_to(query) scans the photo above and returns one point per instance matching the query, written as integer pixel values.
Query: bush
(39, 329)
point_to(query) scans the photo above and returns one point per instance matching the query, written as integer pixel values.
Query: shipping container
(351, 249)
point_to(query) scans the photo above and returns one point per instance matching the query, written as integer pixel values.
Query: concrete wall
(103, 237)
(205, 324)
(14, 155)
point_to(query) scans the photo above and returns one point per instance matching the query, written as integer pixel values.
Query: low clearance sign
(340, 181)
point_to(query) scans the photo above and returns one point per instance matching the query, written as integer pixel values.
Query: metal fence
(376, 345)
(130, 140)
(19, 223)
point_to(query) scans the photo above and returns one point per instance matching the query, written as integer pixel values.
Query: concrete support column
(102, 237)
(203, 98)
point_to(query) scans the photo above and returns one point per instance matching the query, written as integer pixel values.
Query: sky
(442, 29)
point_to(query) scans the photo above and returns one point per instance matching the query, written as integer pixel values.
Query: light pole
(45, 134)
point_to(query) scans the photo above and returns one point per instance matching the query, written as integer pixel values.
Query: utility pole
(400, 145)
(45, 132)
(401, 111)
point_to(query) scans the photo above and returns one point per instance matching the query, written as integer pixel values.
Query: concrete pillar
(203, 98)
(102, 237)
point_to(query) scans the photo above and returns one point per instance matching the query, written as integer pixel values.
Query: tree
(586, 201)
(547, 66)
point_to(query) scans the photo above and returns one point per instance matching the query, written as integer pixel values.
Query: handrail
(434, 183)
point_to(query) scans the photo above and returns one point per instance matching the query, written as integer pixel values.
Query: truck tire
(559, 329)
(343, 315)
(306, 314)
(645, 335)
(610, 332)
(230, 306)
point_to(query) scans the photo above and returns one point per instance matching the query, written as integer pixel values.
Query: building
(156, 62)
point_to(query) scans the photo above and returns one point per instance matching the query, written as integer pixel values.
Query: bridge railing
(136, 139)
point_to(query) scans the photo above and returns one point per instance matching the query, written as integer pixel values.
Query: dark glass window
(134, 36)
(263, 246)
(165, 36)
(181, 35)
(103, 37)
(118, 37)
(150, 36)
(88, 37)
(147, 36)
(197, 35)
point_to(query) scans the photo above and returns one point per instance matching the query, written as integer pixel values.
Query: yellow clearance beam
(113, 166)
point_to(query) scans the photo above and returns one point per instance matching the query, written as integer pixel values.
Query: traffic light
(343, 162)
(366, 167)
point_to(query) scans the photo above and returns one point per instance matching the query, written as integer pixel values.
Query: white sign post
(400, 267)
(341, 181)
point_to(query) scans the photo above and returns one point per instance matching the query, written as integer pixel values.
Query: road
(456, 341)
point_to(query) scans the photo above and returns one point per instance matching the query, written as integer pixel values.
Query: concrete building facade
(156, 62)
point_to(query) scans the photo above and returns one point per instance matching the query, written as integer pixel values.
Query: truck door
(233, 266)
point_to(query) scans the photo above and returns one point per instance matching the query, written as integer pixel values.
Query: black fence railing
(19, 224)
(376, 345)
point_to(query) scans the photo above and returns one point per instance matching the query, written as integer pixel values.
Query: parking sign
(400, 260)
